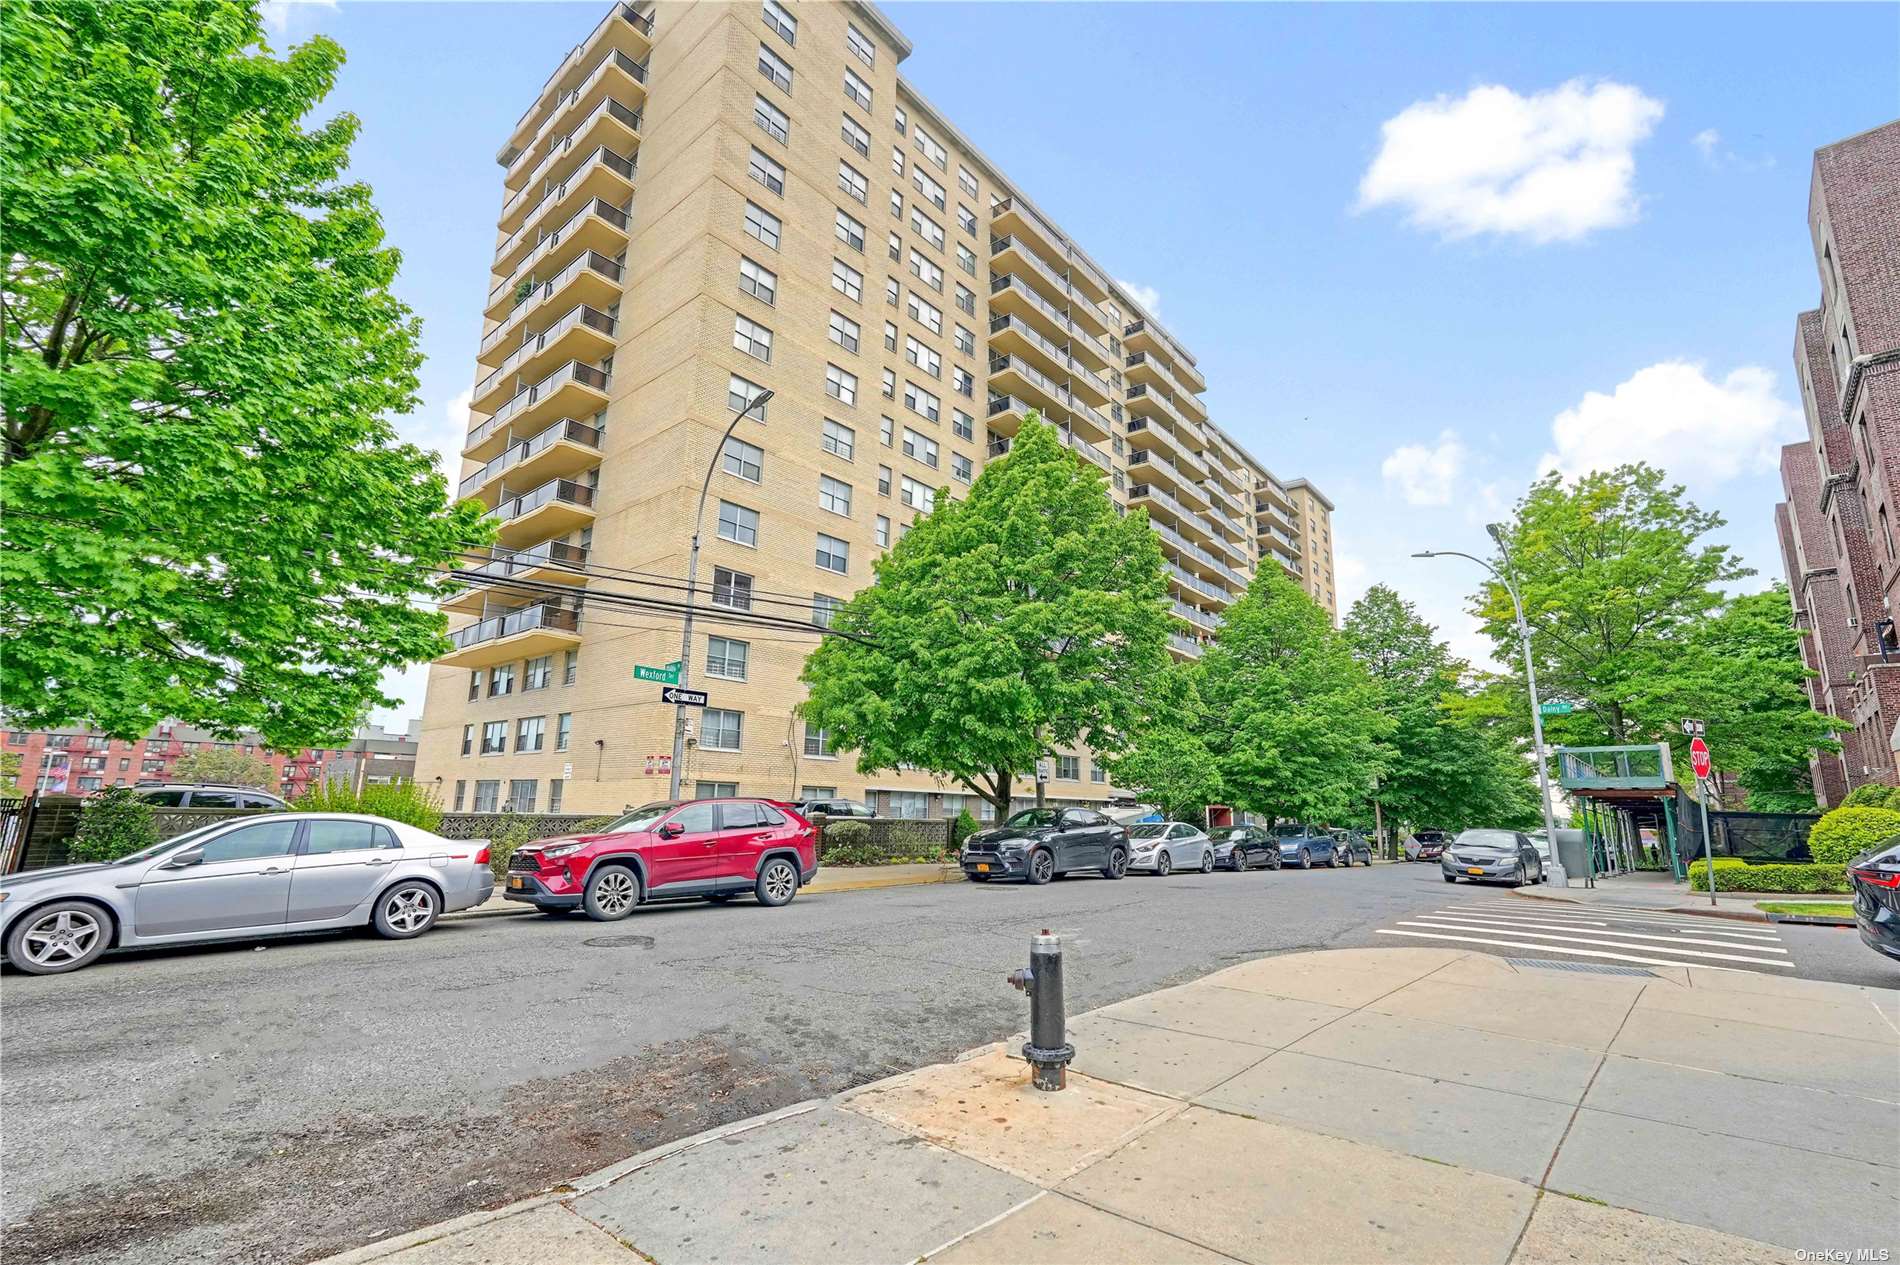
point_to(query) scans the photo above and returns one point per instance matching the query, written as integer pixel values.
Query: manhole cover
(619, 942)
(1586, 968)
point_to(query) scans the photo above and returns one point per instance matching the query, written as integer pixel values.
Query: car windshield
(1293, 831)
(1502, 840)
(643, 818)
(166, 845)
(1029, 818)
(1153, 830)
(1231, 833)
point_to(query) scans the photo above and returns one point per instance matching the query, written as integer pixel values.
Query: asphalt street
(288, 1100)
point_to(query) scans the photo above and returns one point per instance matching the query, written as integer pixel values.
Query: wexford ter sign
(668, 675)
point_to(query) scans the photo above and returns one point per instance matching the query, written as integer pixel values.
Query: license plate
(517, 883)
(1475, 870)
(982, 869)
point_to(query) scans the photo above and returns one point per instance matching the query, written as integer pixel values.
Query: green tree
(1292, 721)
(115, 822)
(224, 768)
(209, 517)
(1024, 618)
(9, 773)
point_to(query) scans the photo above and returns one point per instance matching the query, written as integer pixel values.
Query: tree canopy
(1027, 617)
(209, 517)
(224, 768)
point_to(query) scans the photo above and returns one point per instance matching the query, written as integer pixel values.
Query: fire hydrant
(1047, 1052)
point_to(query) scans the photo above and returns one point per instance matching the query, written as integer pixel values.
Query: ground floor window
(461, 794)
(487, 796)
(819, 792)
(521, 795)
(716, 790)
(556, 788)
(910, 805)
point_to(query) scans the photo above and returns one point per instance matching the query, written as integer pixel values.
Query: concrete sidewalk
(1355, 1105)
(837, 878)
(1663, 893)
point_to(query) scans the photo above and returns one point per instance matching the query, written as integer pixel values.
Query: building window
(539, 674)
(897, 161)
(923, 356)
(960, 467)
(966, 218)
(738, 524)
(776, 69)
(495, 737)
(929, 188)
(966, 259)
(883, 480)
(922, 402)
(782, 22)
(850, 232)
(855, 136)
(767, 173)
(856, 90)
(555, 789)
(740, 394)
(824, 609)
(833, 554)
(721, 730)
(747, 461)
(771, 120)
(752, 338)
(570, 666)
(487, 796)
(1096, 772)
(886, 431)
(840, 385)
(925, 313)
(818, 742)
(1068, 768)
(962, 424)
(881, 532)
(530, 732)
(838, 439)
(726, 658)
(966, 341)
(834, 496)
(461, 795)
(887, 384)
(563, 730)
(890, 335)
(967, 183)
(521, 795)
(762, 224)
(501, 681)
(926, 228)
(890, 291)
(963, 382)
(908, 805)
(861, 48)
(847, 280)
(716, 790)
(920, 447)
(900, 120)
(760, 283)
(468, 741)
(925, 271)
(929, 148)
(917, 495)
(966, 300)
(844, 331)
(474, 685)
(852, 181)
(894, 246)
(731, 589)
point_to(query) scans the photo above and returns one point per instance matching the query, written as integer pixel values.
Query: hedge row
(1735, 875)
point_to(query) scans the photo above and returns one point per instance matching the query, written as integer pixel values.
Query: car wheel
(778, 883)
(63, 936)
(1345, 858)
(612, 893)
(1042, 866)
(1274, 861)
(1164, 863)
(1117, 863)
(1449, 878)
(1207, 860)
(1520, 878)
(1306, 859)
(406, 910)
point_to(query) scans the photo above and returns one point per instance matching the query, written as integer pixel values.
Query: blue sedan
(1305, 846)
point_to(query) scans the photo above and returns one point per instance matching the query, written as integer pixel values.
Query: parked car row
(1042, 844)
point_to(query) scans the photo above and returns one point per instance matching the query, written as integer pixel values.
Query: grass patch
(1819, 908)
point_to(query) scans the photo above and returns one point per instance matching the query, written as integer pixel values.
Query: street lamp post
(1530, 680)
(692, 592)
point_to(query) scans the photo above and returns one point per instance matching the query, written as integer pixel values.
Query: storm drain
(1588, 968)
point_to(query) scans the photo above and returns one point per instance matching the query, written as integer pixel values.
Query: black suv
(1039, 844)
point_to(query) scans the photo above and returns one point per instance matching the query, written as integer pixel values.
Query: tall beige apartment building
(716, 199)
(1314, 515)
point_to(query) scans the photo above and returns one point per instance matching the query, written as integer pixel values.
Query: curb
(1701, 911)
(865, 883)
(1811, 920)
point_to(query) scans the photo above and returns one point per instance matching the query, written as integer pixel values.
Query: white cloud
(277, 13)
(1709, 141)
(1673, 416)
(1147, 296)
(1715, 155)
(1426, 476)
(1552, 166)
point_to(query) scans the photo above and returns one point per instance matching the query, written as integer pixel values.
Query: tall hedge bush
(1845, 833)
(1872, 795)
(1732, 874)
(407, 802)
(114, 823)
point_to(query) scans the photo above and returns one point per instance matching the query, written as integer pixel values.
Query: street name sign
(668, 675)
(684, 698)
(1557, 707)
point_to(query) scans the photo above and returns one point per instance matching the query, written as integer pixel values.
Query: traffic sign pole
(1704, 775)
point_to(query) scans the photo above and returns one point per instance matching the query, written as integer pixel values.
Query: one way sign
(683, 697)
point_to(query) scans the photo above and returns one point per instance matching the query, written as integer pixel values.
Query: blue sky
(1419, 250)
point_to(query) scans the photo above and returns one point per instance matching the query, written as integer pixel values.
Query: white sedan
(1166, 846)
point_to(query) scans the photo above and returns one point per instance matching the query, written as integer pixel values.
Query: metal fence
(882, 840)
(542, 825)
(1759, 837)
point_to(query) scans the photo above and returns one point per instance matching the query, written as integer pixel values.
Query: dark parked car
(1353, 847)
(1038, 844)
(205, 795)
(1241, 848)
(711, 849)
(1492, 856)
(1304, 846)
(834, 808)
(1426, 845)
(1876, 879)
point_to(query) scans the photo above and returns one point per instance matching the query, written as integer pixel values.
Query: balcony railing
(548, 241)
(542, 101)
(1193, 550)
(1207, 588)
(999, 445)
(493, 629)
(1141, 459)
(573, 370)
(1199, 618)
(562, 491)
(549, 553)
(1186, 645)
(592, 261)
(626, 168)
(592, 318)
(608, 108)
(567, 430)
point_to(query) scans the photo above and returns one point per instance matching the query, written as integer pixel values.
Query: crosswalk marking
(1599, 932)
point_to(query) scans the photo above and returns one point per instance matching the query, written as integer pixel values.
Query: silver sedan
(1166, 846)
(238, 880)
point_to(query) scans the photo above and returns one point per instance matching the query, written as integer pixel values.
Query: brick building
(76, 761)
(1837, 526)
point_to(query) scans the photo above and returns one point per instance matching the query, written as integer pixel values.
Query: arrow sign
(1699, 757)
(683, 697)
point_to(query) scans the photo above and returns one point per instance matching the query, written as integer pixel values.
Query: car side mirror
(672, 830)
(185, 860)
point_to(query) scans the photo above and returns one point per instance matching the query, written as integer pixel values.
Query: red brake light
(481, 858)
(1879, 878)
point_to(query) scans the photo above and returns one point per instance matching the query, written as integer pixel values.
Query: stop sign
(1699, 757)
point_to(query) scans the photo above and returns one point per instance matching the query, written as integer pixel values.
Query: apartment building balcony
(1196, 559)
(1145, 400)
(1236, 553)
(562, 451)
(1013, 218)
(1195, 586)
(527, 633)
(1012, 374)
(573, 390)
(1014, 336)
(1233, 505)
(1270, 492)
(592, 280)
(1145, 368)
(1145, 335)
(1280, 543)
(1187, 647)
(624, 31)
(1151, 467)
(1013, 295)
(1195, 616)
(999, 446)
(599, 173)
(584, 333)
(1180, 516)
(608, 124)
(621, 78)
(1015, 255)
(556, 508)
(550, 562)
(600, 226)
(1153, 435)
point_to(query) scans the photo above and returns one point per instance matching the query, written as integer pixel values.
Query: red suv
(710, 849)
